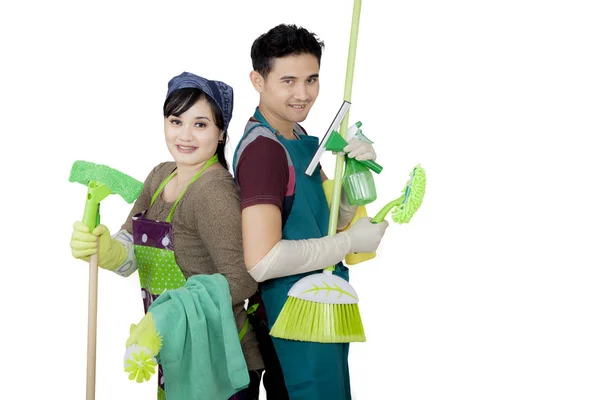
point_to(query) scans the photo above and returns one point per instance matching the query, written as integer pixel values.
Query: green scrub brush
(406, 205)
(143, 346)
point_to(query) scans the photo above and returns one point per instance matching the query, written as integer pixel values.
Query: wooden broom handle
(92, 319)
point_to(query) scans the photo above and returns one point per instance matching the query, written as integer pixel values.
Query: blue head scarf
(220, 92)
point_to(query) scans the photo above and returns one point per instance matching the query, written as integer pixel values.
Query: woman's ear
(257, 81)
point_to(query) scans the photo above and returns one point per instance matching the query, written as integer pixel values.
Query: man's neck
(284, 127)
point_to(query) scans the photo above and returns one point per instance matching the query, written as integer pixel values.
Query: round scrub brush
(406, 205)
(143, 346)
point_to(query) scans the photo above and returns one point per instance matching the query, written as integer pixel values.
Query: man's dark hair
(281, 41)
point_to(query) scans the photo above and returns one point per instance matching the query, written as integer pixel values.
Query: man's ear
(257, 81)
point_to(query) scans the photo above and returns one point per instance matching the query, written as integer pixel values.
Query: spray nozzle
(336, 143)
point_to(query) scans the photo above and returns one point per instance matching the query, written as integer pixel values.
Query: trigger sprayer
(358, 182)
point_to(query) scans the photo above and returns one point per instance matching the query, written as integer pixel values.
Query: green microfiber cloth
(201, 355)
(127, 187)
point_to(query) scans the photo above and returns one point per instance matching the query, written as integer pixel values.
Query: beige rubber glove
(365, 235)
(360, 150)
(85, 243)
(291, 257)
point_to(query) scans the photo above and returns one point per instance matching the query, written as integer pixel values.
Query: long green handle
(339, 162)
(91, 214)
(96, 193)
(386, 209)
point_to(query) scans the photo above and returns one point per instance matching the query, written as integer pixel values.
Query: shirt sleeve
(262, 173)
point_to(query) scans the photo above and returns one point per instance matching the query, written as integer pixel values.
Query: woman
(188, 213)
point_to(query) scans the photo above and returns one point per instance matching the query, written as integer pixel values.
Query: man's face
(292, 86)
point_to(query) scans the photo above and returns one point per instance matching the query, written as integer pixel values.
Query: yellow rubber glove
(143, 345)
(84, 243)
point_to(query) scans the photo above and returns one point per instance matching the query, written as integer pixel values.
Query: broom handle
(92, 319)
(339, 162)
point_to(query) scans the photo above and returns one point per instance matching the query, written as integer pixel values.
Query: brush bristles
(151, 340)
(310, 321)
(124, 185)
(403, 213)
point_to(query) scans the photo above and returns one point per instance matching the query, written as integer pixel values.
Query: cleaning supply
(336, 143)
(200, 350)
(357, 181)
(406, 205)
(143, 345)
(337, 120)
(332, 317)
(140, 363)
(101, 181)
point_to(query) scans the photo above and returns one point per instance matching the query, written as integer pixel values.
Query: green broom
(101, 181)
(324, 307)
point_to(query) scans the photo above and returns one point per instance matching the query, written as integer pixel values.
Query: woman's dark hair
(182, 100)
(282, 41)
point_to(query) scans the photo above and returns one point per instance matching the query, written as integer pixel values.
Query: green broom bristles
(311, 321)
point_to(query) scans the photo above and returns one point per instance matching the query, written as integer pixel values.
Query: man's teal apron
(312, 371)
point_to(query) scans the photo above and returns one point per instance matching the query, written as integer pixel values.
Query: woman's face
(192, 138)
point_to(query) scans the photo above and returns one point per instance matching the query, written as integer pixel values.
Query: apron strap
(210, 162)
(250, 311)
(161, 187)
(242, 333)
(259, 117)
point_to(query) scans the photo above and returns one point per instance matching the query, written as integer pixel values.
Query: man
(285, 215)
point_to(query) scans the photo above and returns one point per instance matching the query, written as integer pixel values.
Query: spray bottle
(358, 182)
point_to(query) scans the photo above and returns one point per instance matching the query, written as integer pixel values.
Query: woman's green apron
(155, 256)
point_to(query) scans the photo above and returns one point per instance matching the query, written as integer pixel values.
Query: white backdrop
(491, 291)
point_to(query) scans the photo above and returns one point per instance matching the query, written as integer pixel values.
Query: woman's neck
(185, 173)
